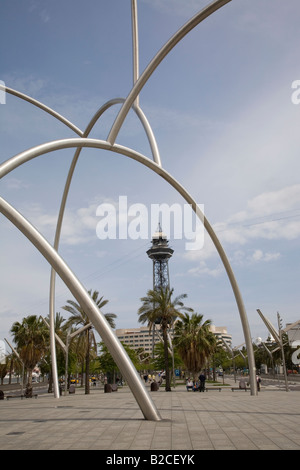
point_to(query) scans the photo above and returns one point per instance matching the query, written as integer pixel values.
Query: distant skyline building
(220, 333)
(142, 338)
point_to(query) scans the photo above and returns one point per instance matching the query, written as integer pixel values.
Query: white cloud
(30, 84)
(259, 222)
(270, 215)
(271, 202)
(36, 7)
(203, 270)
(79, 226)
(259, 255)
(15, 184)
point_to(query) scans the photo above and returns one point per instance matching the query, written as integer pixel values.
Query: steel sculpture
(51, 253)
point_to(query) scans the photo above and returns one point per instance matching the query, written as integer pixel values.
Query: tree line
(191, 346)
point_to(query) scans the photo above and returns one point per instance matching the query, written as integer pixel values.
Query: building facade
(142, 338)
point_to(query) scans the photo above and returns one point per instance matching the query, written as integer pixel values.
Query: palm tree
(31, 338)
(79, 317)
(194, 341)
(158, 306)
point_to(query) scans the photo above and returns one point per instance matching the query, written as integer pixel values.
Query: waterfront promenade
(213, 420)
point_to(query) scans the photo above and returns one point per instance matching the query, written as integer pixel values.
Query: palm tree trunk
(28, 391)
(82, 372)
(166, 354)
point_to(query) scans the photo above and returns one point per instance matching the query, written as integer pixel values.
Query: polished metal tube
(45, 108)
(135, 44)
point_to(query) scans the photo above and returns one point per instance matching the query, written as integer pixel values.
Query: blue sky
(220, 106)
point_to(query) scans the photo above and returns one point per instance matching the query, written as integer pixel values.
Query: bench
(241, 389)
(213, 388)
(189, 387)
(20, 396)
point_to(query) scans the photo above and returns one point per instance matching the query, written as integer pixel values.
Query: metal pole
(269, 326)
(67, 362)
(171, 349)
(53, 347)
(135, 45)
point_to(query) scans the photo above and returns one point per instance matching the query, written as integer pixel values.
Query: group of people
(196, 386)
(158, 378)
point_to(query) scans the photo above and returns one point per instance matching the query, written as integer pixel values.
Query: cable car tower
(160, 253)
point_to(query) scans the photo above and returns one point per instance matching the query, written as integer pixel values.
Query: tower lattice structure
(160, 253)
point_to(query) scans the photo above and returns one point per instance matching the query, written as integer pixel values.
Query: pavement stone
(191, 421)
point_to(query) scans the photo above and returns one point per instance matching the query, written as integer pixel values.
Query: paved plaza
(213, 420)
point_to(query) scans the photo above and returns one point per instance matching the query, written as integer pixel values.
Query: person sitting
(189, 384)
(196, 386)
(242, 384)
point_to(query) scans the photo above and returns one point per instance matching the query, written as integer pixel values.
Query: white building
(141, 338)
(221, 332)
(138, 338)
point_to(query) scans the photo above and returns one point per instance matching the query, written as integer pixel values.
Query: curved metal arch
(97, 318)
(45, 108)
(97, 115)
(14, 162)
(135, 44)
(163, 52)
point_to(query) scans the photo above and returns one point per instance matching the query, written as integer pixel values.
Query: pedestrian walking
(202, 379)
(258, 381)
